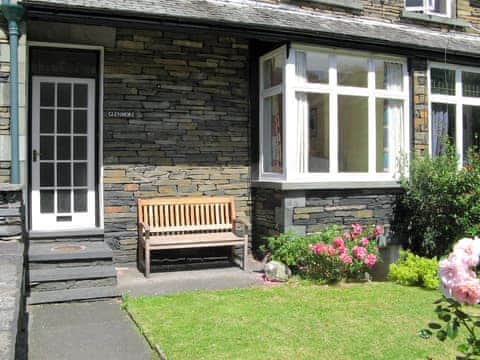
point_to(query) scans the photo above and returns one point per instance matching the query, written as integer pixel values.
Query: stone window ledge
(409, 15)
(274, 185)
(10, 187)
(346, 4)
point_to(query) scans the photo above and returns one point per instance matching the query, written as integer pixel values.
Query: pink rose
(342, 250)
(378, 231)
(370, 260)
(317, 248)
(467, 292)
(359, 252)
(347, 235)
(329, 250)
(356, 229)
(467, 251)
(364, 242)
(452, 271)
(346, 259)
(338, 242)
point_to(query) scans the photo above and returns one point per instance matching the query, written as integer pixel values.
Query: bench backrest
(187, 214)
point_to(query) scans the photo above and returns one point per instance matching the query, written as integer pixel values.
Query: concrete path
(93, 330)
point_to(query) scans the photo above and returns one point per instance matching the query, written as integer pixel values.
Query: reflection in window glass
(352, 71)
(471, 128)
(352, 134)
(470, 84)
(311, 67)
(273, 72)
(389, 133)
(443, 127)
(388, 75)
(442, 81)
(272, 134)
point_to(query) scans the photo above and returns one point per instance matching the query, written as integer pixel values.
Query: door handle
(35, 154)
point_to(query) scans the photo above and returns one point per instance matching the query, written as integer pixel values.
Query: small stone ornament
(277, 271)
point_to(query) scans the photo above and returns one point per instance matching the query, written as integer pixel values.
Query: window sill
(346, 4)
(316, 185)
(409, 15)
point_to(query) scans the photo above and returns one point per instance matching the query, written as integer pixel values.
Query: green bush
(414, 270)
(441, 203)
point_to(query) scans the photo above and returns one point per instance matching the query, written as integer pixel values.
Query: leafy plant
(441, 203)
(414, 270)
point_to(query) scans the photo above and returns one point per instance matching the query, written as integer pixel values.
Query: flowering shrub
(414, 270)
(345, 256)
(461, 294)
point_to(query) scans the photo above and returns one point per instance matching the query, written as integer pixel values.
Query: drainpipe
(13, 13)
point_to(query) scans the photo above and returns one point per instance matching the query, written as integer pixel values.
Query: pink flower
(364, 242)
(329, 250)
(346, 259)
(359, 252)
(317, 248)
(467, 292)
(356, 229)
(338, 242)
(347, 235)
(342, 250)
(378, 231)
(452, 271)
(467, 251)
(370, 260)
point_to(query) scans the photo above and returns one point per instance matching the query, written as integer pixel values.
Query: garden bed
(361, 321)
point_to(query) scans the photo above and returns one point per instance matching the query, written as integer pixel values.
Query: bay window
(332, 115)
(454, 108)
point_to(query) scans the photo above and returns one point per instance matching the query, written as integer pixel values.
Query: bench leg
(245, 252)
(147, 262)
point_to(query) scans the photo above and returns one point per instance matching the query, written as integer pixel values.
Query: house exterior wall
(190, 132)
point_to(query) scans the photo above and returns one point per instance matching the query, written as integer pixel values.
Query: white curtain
(302, 113)
(393, 119)
(439, 128)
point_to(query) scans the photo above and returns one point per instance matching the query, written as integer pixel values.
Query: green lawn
(372, 321)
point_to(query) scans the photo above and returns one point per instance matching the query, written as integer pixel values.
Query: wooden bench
(188, 222)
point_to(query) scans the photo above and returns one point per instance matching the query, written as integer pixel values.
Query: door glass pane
(63, 148)
(471, 84)
(80, 200)
(80, 121)
(471, 128)
(46, 174)
(389, 134)
(47, 94)
(318, 132)
(64, 174)
(272, 134)
(388, 75)
(64, 95)
(352, 71)
(64, 201)
(80, 174)
(80, 148)
(442, 81)
(443, 127)
(273, 72)
(47, 148)
(63, 121)
(46, 201)
(80, 95)
(46, 121)
(352, 133)
(311, 67)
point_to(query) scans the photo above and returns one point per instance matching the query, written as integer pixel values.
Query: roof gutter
(13, 13)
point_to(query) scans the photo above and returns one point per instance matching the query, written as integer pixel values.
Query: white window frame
(458, 100)
(291, 87)
(428, 7)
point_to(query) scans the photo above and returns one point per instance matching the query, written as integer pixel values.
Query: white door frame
(79, 220)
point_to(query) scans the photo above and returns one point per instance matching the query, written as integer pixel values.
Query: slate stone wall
(420, 106)
(11, 213)
(190, 131)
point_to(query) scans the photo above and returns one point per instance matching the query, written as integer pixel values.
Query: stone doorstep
(91, 251)
(58, 296)
(72, 273)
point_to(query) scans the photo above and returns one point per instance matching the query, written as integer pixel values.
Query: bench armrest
(240, 224)
(144, 228)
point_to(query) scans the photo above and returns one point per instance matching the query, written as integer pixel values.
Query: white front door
(63, 153)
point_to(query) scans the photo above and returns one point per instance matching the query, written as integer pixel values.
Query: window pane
(63, 147)
(388, 76)
(64, 201)
(318, 132)
(47, 94)
(471, 84)
(46, 174)
(311, 67)
(442, 81)
(389, 134)
(80, 148)
(414, 3)
(443, 127)
(471, 128)
(64, 95)
(80, 200)
(64, 174)
(352, 133)
(80, 95)
(352, 71)
(46, 147)
(438, 6)
(63, 121)
(80, 121)
(80, 174)
(272, 134)
(46, 121)
(272, 72)
(46, 201)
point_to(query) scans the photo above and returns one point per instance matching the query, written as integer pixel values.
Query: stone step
(69, 251)
(71, 273)
(56, 296)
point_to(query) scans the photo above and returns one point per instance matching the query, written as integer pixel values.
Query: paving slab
(92, 330)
